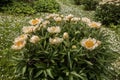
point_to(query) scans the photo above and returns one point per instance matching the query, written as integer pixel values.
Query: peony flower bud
(34, 39)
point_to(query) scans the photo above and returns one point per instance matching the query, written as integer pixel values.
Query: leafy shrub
(108, 13)
(4, 3)
(31, 7)
(19, 7)
(78, 2)
(46, 6)
(90, 4)
(61, 47)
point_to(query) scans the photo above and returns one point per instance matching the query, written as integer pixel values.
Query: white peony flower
(21, 37)
(75, 19)
(65, 35)
(35, 21)
(58, 19)
(34, 39)
(55, 40)
(51, 16)
(86, 20)
(68, 17)
(94, 24)
(44, 23)
(18, 45)
(54, 29)
(90, 43)
(29, 29)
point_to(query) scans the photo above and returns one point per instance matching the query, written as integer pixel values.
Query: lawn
(10, 27)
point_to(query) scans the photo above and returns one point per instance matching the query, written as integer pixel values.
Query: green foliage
(19, 7)
(108, 13)
(9, 28)
(115, 28)
(88, 4)
(4, 2)
(78, 2)
(47, 61)
(6, 65)
(46, 6)
(31, 7)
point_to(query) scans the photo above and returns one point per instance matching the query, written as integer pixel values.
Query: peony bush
(63, 47)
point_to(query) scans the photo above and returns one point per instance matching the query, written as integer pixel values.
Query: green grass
(10, 27)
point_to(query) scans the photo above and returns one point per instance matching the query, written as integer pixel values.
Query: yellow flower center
(89, 43)
(94, 25)
(34, 22)
(53, 28)
(22, 36)
(19, 43)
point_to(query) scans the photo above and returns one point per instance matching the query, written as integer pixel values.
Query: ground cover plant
(58, 47)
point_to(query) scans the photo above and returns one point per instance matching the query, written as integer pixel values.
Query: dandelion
(34, 39)
(35, 21)
(65, 35)
(90, 43)
(18, 45)
(55, 40)
(54, 29)
(94, 24)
